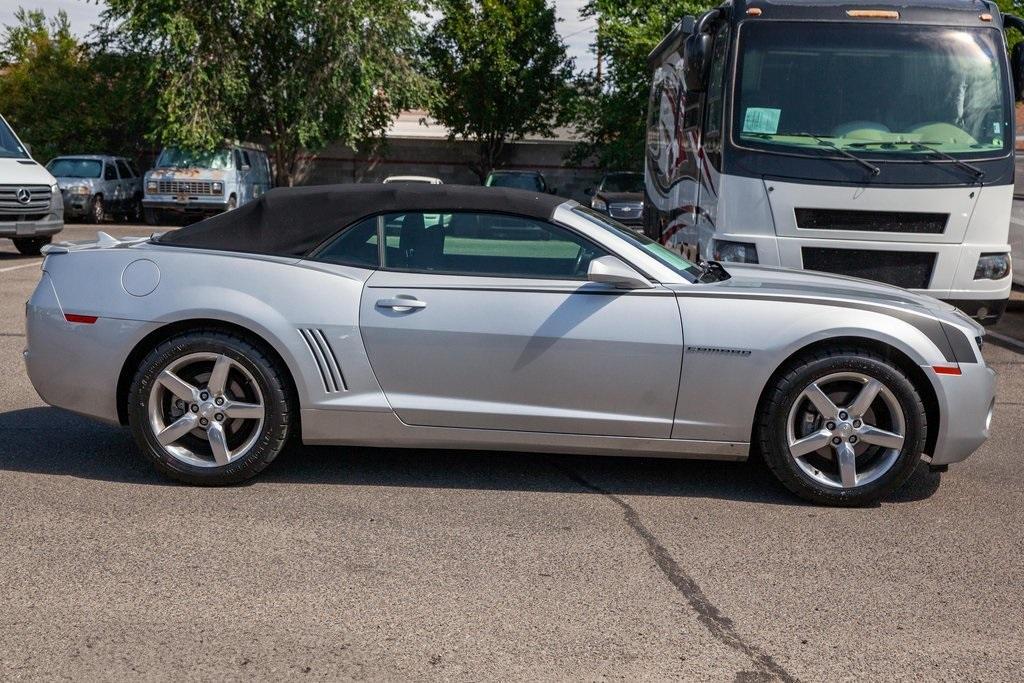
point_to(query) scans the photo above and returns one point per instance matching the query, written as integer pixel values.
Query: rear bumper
(966, 402)
(76, 366)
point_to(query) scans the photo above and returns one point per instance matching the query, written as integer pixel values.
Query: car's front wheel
(209, 407)
(30, 246)
(842, 427)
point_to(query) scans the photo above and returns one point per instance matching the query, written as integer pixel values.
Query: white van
(204, 183)
(31, 208)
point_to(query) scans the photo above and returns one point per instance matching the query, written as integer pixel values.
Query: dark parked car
(520, 180)
(95, 186)
(621, 196)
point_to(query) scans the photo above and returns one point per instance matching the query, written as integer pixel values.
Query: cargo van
(31, 208)
(204, 183)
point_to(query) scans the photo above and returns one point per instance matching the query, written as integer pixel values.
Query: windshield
(172, 157)
(522, 181)
(874, 89)
(623, 182)
(75, 168)
(10, 148)
(664, 255)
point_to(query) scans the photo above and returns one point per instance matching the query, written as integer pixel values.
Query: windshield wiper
(927, 147)
(872, 169)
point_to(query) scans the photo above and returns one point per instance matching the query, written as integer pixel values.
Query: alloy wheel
(845, 430)
(206, 409)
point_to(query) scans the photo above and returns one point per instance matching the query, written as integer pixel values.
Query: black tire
(97, 210)
(152, 216)
(787, 387)
(30, 246)
(270, 378)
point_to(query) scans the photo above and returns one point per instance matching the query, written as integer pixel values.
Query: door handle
(402, 303)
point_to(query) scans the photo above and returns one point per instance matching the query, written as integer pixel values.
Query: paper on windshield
(761, 120)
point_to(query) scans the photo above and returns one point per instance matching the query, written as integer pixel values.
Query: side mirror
(1017, 70)
(696, 54)
(612, 271)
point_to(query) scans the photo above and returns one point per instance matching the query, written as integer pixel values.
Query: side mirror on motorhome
(696, 53)
(1017, 69)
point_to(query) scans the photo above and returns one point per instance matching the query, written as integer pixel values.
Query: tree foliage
(297, 74)
(501, 73)
(65, 97)
(610, 113)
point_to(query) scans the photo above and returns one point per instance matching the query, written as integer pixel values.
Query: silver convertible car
(483, 318)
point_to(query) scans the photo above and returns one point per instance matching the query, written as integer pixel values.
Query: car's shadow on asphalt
(54, 442)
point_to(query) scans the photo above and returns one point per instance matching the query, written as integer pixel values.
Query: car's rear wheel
(842, 427)
(30, 246)
(209, 407)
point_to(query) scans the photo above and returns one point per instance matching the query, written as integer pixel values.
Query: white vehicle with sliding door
(874, 142)
(31, 207)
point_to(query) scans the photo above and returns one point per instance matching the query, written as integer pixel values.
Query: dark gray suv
(97, 186)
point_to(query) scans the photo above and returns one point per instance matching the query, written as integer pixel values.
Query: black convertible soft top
(293, 221)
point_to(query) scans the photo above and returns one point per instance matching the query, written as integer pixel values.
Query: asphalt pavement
(386, 564)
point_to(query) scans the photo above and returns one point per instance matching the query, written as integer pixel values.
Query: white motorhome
(874, 142)
(31, 207)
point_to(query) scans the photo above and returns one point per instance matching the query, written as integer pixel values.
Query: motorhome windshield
(173, 157)
(10, 148)
(879, 91)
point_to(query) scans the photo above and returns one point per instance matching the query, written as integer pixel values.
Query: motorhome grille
(909, 269)
(872, 221)
(185, 187)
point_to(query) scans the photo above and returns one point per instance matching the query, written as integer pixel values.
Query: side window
(108, 172)
(123, 169)
(355, 246)
(245, 159)
(485, 244)
(715, 103)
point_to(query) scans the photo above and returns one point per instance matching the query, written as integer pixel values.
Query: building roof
(417, 124)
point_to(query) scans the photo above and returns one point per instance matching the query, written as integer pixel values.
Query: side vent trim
(326, 362)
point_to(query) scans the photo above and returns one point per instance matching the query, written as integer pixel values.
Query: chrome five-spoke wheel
(206, 409)
(845, 430)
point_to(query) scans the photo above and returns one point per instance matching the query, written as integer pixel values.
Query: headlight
(218, 188)
(737, 252)
(599, 205)
(151, 186)
(78, 190)
(992, 267)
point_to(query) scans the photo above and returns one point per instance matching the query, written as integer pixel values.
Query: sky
(577, 33)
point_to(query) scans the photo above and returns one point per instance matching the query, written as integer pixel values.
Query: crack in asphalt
(720, 626)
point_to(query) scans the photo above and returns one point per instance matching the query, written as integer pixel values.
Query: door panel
(528, 355)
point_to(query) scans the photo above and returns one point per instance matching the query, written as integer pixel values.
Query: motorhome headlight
(150, 186)
(218, 188)
(598, 204)
(737, 252)
(992, 267)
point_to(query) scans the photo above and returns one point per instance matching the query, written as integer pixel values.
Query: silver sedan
(483, 318)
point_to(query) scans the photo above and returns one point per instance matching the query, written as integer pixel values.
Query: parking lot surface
(378, 564)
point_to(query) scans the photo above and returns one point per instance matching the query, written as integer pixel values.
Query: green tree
(64, 97)
(296, 74)
(610, 112)
(501, 73)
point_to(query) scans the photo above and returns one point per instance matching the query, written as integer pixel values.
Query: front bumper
(966, 402)
(217, 204)
(985, 311)
(50, 225)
